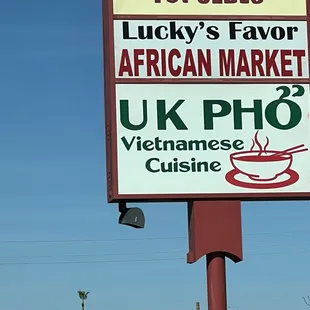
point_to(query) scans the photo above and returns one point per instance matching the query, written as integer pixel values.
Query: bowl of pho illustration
(261, 166)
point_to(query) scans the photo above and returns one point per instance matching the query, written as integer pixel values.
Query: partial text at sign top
(211, 7)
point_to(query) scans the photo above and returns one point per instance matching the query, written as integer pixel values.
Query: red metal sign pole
(216, 281)
(215, 230)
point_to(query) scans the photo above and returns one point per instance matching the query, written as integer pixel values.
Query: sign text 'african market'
(211, 49)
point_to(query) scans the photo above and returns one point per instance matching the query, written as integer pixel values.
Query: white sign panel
(210, 49)
(208, 139)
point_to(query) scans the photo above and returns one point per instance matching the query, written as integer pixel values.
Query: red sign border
(110, 108)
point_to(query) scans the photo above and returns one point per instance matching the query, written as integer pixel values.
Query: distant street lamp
(307, 302)
(83, 297)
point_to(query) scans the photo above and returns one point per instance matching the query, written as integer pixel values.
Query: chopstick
(292, 150)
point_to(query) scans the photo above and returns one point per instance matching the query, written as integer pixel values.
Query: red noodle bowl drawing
(264, 165)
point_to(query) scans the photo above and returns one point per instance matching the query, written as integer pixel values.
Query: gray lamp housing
(133, 217)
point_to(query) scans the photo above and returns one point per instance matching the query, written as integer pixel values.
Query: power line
(123, 261)
(278, 233)
(94, 261)
(280, 253)
(90, 255)
(140, 239)
(90, 240)
(123, 254)
(132, 253)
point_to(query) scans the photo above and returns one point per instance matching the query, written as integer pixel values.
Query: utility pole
(83, 297)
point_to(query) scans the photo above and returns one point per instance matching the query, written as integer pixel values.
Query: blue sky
(52, 188)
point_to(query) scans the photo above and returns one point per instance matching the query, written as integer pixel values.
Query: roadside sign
(177, 140)
(206, 101)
